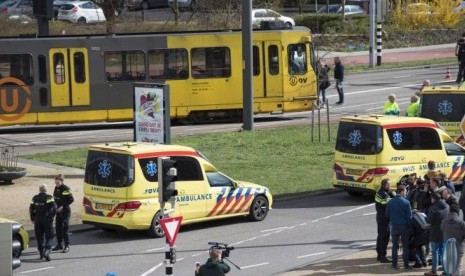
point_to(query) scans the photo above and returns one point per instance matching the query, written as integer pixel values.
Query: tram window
(125, 65)
(214, 62)
(297, 59)
(42, 69)
(17, 66)
(59, 72)
(256, 60)
(273, 59)
(79, 67)
(170, 64)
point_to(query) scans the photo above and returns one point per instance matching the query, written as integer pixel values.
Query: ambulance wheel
(354, 193)
(258, 209)
(155, 229)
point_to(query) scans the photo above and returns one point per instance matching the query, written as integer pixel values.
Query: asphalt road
(297, 232)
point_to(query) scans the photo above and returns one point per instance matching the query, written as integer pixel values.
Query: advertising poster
(151, 113)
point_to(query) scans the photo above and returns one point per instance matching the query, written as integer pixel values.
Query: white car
(81, 12)
(260, 15)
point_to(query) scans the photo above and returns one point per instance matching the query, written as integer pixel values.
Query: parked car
(260, 15)
(348, 9)
(57, 4)
(145, 4)
(183, 4)
(22, 237)
(81, 12)
(18, 8)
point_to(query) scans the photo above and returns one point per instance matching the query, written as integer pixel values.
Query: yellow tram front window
(297, 54)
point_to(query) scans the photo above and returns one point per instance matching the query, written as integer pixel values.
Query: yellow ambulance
(121, 188)
(445, 105)
(370, 148)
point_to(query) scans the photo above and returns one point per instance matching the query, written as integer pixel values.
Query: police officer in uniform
(381, 199)
(63, 199)
(42, 210)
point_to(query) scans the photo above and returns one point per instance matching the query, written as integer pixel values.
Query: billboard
(151, 113)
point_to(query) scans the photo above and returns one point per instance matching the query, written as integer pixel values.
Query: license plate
(354, 172)
(103, 206)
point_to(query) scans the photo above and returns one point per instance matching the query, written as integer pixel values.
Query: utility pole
(247, 80)
(371, 62)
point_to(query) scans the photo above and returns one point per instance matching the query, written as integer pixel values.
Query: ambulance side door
(192, 190)
(223, 195)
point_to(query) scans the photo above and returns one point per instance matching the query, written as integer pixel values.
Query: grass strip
(285, 160)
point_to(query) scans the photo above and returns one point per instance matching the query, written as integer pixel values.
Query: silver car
(348, 9)
(145, 4)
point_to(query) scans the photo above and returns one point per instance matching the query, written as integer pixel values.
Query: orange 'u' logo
(14, 106)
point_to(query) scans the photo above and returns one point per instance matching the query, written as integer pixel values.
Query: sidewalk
(391, 55)
(360, 263)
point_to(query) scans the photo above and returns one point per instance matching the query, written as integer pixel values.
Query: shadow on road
(321, 200)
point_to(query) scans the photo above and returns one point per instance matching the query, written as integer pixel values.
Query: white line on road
(195, 255)
(35, 270)
(155, 249)
(369, 214)
(255, 265)
(148, 272)
(274, 229)
(366, 245)
(345, 212)
(311, 255)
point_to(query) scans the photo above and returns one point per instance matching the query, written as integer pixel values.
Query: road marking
(366, 245)
(198, 254)
(311, 255)
(345, 212)
(369, 214)
(148, 272)
(34, 270)
(274, 229)
(154, 249)
(255, 265)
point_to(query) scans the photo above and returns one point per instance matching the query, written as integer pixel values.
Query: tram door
(267, 69)
(69, 76)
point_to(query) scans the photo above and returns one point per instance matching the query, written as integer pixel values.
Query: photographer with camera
(214, 265)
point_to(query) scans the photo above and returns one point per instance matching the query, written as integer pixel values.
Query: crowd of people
(422, 213)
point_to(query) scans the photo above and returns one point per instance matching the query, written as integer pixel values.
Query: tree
(111, 9)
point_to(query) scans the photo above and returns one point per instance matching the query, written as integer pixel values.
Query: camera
(226, 249)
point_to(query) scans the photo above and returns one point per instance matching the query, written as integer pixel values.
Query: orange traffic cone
(448, 74)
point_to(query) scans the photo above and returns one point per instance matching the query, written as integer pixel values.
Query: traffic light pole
(167, 172)
(7, 246)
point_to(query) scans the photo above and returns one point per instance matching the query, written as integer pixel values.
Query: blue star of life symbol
(104, 169)
(151, 168)
(397, 138)
(445, 107)
(355, 138)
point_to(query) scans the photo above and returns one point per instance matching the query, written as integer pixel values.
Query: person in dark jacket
(462, 201)
(339, 77)
(42, 210)
(454, 227)
(214, 265)
(382, 197)
(63, 198)
(399, 212)
(438, 212)
(449, 197)
(419, 239)
(323, 81)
